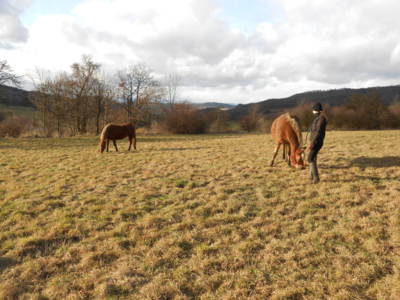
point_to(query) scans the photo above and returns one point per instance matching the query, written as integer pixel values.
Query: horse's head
(299, 158)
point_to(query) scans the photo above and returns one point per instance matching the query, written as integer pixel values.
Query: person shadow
(363, 162)
(376, 162)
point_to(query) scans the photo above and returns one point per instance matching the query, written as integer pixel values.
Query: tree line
(360, 112)
(85, 98)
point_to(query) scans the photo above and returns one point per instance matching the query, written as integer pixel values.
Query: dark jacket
(317, 132)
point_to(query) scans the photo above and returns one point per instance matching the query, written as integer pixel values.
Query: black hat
(317, 106)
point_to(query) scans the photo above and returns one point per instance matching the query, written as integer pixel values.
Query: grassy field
(199, 217)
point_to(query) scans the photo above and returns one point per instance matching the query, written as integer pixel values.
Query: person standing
(317, 136)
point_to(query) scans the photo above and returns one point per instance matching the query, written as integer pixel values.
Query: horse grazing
(285, 130)
(117, 132)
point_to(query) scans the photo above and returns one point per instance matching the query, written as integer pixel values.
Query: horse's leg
(108, 142)
(115, 145)
(284, 152)
(134, 142)
(130, 143)
(275, 153)
(289, 152)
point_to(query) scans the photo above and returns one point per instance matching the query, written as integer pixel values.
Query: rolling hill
(12, 96)
(15, 97)
(337, 97)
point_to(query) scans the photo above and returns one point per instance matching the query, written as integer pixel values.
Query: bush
(394, 110)
(184, 118)
(266, 125)
(12, 126)
(304, 113)
(361, 112)
(219, 122)
(250, 122)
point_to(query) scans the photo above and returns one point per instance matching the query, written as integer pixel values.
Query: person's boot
(314, 172)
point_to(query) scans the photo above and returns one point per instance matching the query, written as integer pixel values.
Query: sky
(233, 51)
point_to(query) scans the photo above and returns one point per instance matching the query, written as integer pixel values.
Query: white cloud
(315, 45)
(11, 28)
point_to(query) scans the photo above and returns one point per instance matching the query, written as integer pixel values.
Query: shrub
(12, 126)
(219, 121)
(184, 118)
(304, 113)
(266, 125)
(250, 122)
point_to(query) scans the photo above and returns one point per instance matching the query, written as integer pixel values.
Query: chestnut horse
(117, 132)
(285, 130)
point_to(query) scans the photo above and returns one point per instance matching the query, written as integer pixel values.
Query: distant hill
(11, 96)
(15, 97)
(272, 107)
(218, 105)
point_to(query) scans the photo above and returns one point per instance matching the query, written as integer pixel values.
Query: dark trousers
(312, 159)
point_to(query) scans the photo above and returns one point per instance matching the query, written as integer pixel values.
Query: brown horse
(285, 130)
(117, 132)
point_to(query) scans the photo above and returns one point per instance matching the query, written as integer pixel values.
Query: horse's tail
(103, 137)
(295, 123)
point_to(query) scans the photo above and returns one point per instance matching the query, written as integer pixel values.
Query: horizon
(240, 51)
(257, 101)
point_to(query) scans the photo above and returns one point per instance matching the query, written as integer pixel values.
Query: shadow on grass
(6, 262)
(46, 143)
(181, 149)
(335, 167)
(374, 179)
(157, 139)
(364, 162)
(376, 162)
(339, 164)
(125, 151)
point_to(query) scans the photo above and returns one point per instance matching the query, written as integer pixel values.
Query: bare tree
(250, 121)
(172, 84)
(139, 90)
(52, 100)
(7, 75)
(103, 96)
(73, 100)
(40, 99)
(82, 81)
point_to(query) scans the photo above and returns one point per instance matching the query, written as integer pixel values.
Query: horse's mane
(295, 123)
(104, 131)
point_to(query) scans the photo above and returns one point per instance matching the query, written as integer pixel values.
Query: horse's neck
(294, 144)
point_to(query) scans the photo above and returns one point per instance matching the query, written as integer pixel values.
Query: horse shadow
(6, 262)
(376, 162)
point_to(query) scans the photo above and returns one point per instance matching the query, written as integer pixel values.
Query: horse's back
(118, 131)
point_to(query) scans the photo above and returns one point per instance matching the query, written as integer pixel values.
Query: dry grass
(201, 217)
